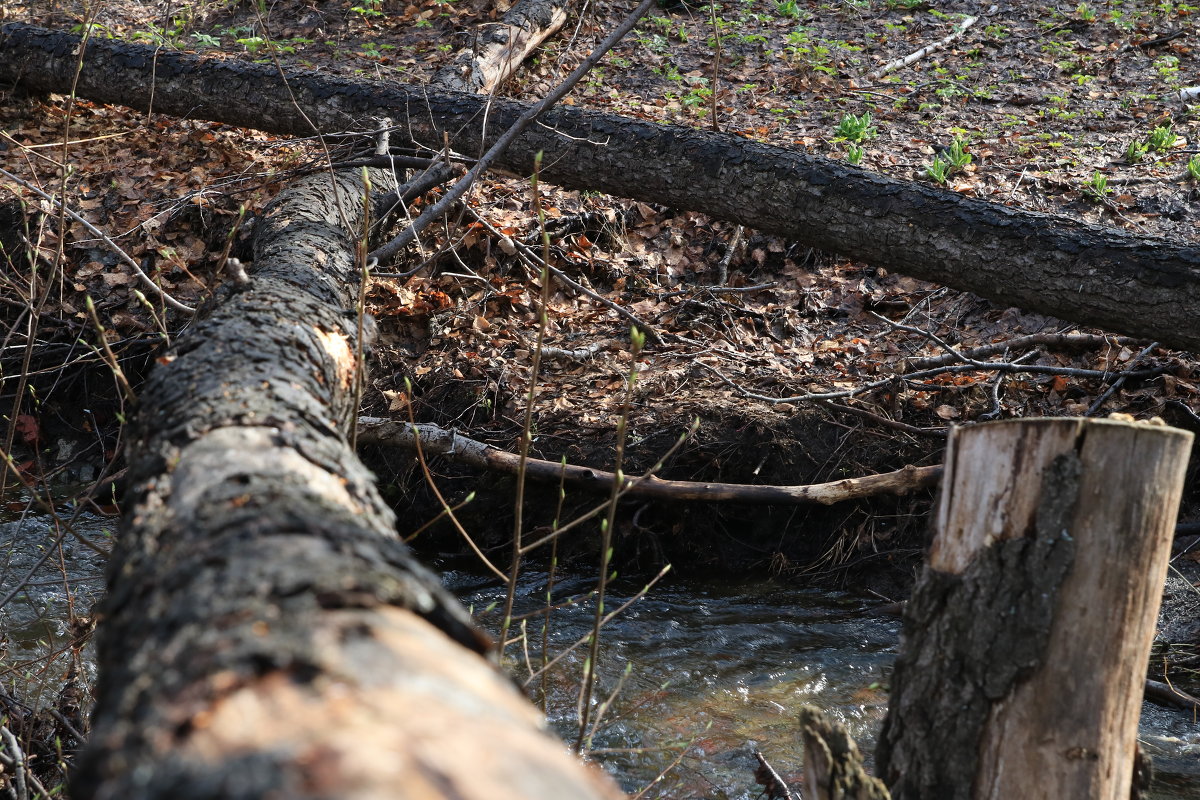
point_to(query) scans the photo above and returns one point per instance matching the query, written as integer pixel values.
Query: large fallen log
(1085, 273)
(266, 633)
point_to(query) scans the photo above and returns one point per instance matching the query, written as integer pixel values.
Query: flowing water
(704, 673)
(46, 572)
(716, 670)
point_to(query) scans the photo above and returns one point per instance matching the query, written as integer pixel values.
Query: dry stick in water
(527, 426)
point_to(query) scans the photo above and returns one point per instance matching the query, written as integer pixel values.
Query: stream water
(707, 672)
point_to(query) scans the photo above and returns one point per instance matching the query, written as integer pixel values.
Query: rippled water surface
(717, 669)
(707, 672)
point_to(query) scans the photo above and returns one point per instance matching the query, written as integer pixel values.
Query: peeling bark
(498, 48)
(1085, 273)
(265, 632)
(1027, 636)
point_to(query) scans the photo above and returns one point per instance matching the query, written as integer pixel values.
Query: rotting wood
(496, 49)
(440, 441)
(266, 633)
(1085, 273)
(1027, 636)
(833, 765)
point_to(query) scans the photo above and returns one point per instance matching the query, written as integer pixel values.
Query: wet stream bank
(720, 667)
(708, 671)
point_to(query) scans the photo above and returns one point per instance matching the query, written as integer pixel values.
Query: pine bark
(1084, 273)
(1027, 637)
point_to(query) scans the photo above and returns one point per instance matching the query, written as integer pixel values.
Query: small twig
(18, 789)
(439, 208)
(1047, 340)
(892, 66)
(716, 73)
(723, 264)
(758, 287)
(607, 619)
(578, 354)
(934, 433)
(1120, 381)
(667, 769)
(1161, 40)
(1037, 369)
(154, 287)
(384, 161)
(767, 777)
(930, 335)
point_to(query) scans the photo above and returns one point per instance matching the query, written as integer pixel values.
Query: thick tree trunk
(498, 48)
(1087, 274)
(266, 634)
(1027, 636)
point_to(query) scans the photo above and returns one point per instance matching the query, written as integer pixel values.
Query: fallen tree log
(498, 48)
(265, 632)
(1084, 273)
(435, 440)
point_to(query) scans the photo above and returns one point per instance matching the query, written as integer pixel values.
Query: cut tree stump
(1027, 637)
(1088, 274)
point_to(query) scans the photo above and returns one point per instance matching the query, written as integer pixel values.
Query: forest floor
(1031, 102)
(1071, 109)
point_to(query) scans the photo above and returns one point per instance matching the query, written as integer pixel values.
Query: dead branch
(436, 440)
(526, 119)
(1048, 340)
(912, 58)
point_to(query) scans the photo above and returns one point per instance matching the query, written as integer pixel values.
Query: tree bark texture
(1085, 273)
(266, 633)
(498, 48)
(833, 765)
(1027, 637)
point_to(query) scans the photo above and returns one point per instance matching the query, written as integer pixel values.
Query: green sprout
(1162, 138)
(1136, 151)
(1096, 189)
(957, 156)
(855, 129)
(939, 170)
(1193, 167)
(854, 154)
